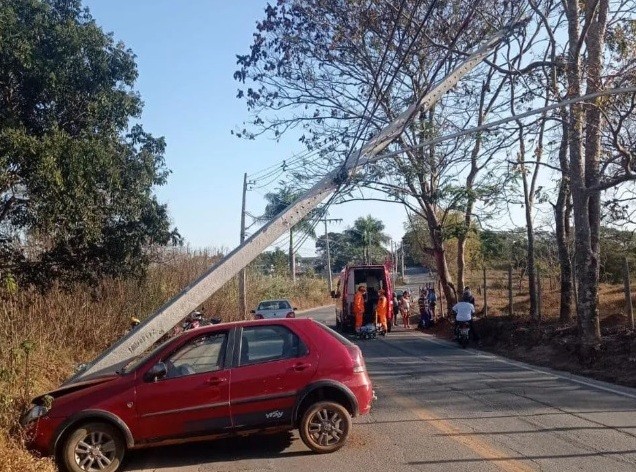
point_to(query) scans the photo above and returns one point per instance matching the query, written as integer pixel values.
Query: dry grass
(611, 297)
(35, 329)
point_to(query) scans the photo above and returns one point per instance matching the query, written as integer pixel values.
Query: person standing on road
(431, 298)
(382, 311)
(405, 309)
(396, 309)
(358, 306)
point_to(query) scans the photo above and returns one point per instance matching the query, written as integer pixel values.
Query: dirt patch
(556, 345)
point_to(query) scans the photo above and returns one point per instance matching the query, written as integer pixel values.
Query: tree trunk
(562, 219)
(439, 253)
(528, 198)
(584, 169)
(595, 42)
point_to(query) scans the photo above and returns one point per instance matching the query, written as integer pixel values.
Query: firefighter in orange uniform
(382, 311)
(358, 306)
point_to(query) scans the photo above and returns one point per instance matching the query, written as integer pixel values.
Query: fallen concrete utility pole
(171, 313)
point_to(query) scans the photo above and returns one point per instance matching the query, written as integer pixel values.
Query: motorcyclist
(358, 306)
(464, 312)
(382, 311)
(467, 296)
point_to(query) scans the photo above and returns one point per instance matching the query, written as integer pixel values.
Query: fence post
(485, 293)
(628, 293)
(510, 310)
(440, 298)
(539, 303)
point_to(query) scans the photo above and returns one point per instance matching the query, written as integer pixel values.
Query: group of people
(381, 308)
(463, 311)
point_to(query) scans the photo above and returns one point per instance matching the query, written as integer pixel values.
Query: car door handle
(300, 366)
(215, 380)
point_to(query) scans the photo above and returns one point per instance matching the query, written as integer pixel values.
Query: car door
(273, 363)
(193, 398)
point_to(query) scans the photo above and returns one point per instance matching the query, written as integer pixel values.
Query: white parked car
(274, 309)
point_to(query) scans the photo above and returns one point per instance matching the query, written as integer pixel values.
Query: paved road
(441, 408)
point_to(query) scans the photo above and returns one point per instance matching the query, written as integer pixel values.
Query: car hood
(74, 387)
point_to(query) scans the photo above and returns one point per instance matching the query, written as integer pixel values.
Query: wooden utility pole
(242, 282)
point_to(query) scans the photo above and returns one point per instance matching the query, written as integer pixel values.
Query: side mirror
(253, 312)
(156, 372)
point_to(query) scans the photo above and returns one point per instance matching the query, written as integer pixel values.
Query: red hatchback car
(215, 381)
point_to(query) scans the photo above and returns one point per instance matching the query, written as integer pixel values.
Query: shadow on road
(230, 449)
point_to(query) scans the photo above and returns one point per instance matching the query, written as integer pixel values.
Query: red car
(215, 381)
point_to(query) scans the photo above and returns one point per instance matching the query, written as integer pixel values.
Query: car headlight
(33, 414)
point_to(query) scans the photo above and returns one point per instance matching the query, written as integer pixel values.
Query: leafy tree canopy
(76, 177)
(361, 243)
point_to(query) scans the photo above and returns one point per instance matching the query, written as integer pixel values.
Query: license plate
(464, 331)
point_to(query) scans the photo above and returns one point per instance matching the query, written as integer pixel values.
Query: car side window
(269, 343)
(200, 355)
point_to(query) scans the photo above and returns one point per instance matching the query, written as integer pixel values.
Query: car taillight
(258, 317)
(291, 314)
(358, 360)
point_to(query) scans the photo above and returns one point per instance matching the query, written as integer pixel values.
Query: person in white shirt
(464, 312)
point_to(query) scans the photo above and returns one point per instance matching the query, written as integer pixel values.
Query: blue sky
(186, 57)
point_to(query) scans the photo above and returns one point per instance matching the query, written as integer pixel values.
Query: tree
(76, 179)
(272, 262)
(339, 70)
(367, 234)
(277, 202)
(341, 249)
(361, 243)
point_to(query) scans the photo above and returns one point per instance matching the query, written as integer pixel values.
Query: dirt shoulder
(555, 345)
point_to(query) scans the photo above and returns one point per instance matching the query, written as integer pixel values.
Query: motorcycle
(194, 320)
(462, 333)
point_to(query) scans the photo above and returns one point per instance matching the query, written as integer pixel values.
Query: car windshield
(139, 359)
(274, 305)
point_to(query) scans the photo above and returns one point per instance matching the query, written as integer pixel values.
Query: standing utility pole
(402, 254)
(329, 220)
(167, 316)
(242, 295)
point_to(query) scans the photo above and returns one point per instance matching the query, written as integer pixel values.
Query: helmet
(134, 321)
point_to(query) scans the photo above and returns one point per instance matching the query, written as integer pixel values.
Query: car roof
(244, 323)
(274, 300)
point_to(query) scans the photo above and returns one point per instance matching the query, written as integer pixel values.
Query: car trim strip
(261, 398)
(191, 408)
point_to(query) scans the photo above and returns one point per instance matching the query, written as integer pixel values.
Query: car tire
(93, 447)
(325, 427)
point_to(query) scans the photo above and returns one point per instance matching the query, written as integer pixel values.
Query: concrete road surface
(441, 408)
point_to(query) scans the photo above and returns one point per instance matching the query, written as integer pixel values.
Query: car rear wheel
(325, 427)
(94, 447)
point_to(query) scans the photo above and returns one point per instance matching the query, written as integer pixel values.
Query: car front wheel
(94, 447)
(325, 427)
